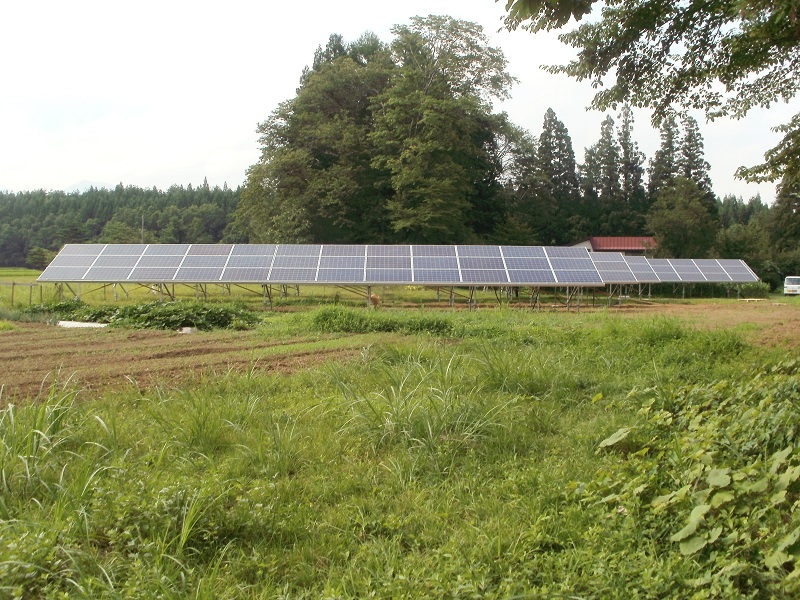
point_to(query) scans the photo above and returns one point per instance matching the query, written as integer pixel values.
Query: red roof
(622, 244)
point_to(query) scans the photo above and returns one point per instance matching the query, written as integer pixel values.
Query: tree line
(35, 224)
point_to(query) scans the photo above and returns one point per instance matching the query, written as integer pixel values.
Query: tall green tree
(680, 221)
(724, 57)
(631, 176)
(433, 134)
(692, 163)
(664, 165)
(558, 195)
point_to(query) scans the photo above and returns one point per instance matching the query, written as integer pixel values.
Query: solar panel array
(543, 266)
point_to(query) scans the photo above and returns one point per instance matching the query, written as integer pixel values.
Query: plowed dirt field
(34, 355)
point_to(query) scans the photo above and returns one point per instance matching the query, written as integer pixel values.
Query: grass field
(496, 453)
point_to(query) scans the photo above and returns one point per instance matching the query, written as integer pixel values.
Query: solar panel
(295, 262)
(337, 261)
(389, 276)
(198, 274)
(152, 274)
(245, 275)
(124, 249)
(106, 274)
(357, 264)
(575, 276)
(535, 263)
(566, 252)
(246, 260)
(472, 262)
(341, 275)
(523, 251)
(446, 276)
(212, 249)
(204, 260)
(433, 251)
(343, 250)
(435, 262)
(166, 249)
(531, 277)
(489, 251)
(389, 262)
(298, 250)
(383, 250)
(291, 275)
(253, 250)
(82, 249)
(484, 276)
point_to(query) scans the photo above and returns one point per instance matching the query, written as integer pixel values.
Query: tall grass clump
(349, 320)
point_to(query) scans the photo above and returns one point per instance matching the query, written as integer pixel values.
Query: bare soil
(32, 356)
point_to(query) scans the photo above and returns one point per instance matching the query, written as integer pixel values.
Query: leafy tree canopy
(724, 57)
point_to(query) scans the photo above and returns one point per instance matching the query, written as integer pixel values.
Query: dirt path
(33, 355)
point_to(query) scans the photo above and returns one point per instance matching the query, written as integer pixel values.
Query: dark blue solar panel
(298, 249)
(82, 249)
(343, 250)
(73, 260)
(116, 261)
(489, 251)
(245, 275)
(389, 276)
(436, 276)
(213, 249)
(199, 274)
(389, 262)
(250, 261)
(388, 250)
(487, 276)
(253, 249)
(578, 277)
(166, 249)
(531, 276)
(534, 263)
(341, 262)
(162, 261)
(603, 257)
(124, 249)
(523, 251)
(107, 274)
(291, 275)
(561, 252)
(573, 264)
(152, 274)
(204, 261)
(296, 262)
(611, 276)
(468, 262)
(341, 275)
(52, 273)
(433, 251)
(435, 262)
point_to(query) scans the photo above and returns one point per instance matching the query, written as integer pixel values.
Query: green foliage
(424, 467)
(710, 472)
(154, 315)
(348, 320)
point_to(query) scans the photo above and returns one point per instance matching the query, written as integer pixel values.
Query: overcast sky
(156, 93)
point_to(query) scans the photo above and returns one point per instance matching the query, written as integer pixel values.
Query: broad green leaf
(787, 478)
(721, 498)
(718, 478)
(617, 437)
(695, 518)
(779, 458)
(692, 545)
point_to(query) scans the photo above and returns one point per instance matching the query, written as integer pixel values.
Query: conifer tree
(664, 165)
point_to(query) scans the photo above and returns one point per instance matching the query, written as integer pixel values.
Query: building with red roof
(629, 245)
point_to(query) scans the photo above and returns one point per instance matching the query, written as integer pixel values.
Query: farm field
(340, 452)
